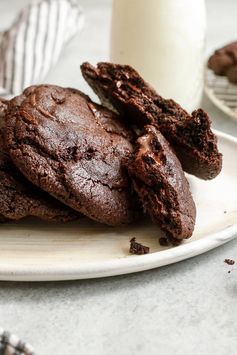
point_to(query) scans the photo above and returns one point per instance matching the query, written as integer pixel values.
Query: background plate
(35, 251)
(222, 93)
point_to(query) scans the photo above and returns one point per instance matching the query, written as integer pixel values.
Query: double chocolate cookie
(19, 198)
(224, 62)
(160, 183)
(122, 88)
(73, 149)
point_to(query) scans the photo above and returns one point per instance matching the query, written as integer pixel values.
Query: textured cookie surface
(121, 87)
(163, 189)
(19, 198)
(73, 149)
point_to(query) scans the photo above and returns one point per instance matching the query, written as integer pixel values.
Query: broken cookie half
(122, 88)
(161, 185)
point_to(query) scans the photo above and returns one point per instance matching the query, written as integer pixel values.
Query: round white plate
(222, 93)
(37, 251)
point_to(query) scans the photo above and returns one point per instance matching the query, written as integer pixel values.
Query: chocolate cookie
(73, 149)
(159, 181)
(224, 61)
(122, 88)
(19, 198)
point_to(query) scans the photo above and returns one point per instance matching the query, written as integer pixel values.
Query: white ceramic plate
(36, 251)
(222, 93)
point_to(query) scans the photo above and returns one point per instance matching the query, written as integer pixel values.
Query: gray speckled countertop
(185, 308)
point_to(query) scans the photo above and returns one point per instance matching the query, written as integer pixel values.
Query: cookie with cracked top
(73, 149)
(19, 198)
(161, 185)
(122, 88)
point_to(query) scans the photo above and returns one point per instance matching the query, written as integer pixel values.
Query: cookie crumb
(137, 248)
(229, 261)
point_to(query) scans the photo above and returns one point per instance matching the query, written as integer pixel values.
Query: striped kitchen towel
(12, 345)
(34, 42)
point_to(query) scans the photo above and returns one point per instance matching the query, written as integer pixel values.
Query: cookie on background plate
(122, 88)
(161, 185)
(73, 149)
(223, 62)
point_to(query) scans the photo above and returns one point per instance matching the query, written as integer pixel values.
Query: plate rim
(122, 265)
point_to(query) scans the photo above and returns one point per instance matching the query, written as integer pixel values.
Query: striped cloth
(12, 345)
(34, 42)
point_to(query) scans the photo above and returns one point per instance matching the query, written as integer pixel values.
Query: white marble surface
(186, 308)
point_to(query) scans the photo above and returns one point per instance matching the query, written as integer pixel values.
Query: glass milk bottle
(164, 40)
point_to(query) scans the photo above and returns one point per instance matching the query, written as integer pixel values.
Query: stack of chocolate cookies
(63, 155)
